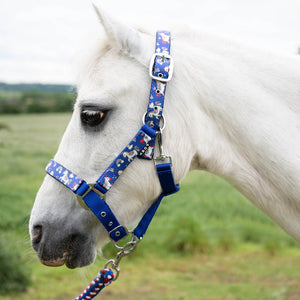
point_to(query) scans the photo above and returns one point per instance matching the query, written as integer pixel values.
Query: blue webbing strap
(169, 187)
(90, 196)
(64, 176)
(160, 69)
(120, 163)
(93, 200)
(166, 179)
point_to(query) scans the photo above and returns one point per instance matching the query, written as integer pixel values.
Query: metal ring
(144, 118)
(129, 246)
(163, 122)
(162, 119)
(114, 267)
(80, 198)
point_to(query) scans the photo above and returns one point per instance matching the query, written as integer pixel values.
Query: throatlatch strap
(166, 179)
(169, 187)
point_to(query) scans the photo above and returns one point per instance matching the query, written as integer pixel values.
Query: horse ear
(129, 40)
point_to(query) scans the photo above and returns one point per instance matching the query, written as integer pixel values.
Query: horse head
(112, 97)
(243, 126)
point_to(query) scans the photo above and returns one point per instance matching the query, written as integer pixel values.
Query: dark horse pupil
(92, 119)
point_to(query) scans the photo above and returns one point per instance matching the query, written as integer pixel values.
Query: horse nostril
(36, 234)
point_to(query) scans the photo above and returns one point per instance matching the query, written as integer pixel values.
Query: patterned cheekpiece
(158, 88)
(131, 151)
(114, 170)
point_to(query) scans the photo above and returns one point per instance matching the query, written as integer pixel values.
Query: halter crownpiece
(143, 143)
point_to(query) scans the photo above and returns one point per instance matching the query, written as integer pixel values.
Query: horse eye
(92, 117)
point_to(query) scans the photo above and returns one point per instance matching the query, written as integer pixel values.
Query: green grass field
(206, 242)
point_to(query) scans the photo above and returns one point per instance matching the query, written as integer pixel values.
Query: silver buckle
(125, 250)
(80, 198)
(162, 158)
(162, 119)
(171, 67)
(115, 243)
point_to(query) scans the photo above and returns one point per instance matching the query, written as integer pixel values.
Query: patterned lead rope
(104, 279)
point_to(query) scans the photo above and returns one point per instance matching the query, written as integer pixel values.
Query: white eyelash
(91, 112)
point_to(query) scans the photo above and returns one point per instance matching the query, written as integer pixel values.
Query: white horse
(231, 110)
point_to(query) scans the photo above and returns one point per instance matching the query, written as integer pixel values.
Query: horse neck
(245, 121)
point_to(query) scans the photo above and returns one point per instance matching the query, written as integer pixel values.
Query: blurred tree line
(29, 98)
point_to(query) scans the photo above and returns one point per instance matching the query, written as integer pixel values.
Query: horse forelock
(88, 58)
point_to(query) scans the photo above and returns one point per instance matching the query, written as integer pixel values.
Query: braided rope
(97, 284)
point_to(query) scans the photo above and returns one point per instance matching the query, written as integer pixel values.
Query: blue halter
(141, 146)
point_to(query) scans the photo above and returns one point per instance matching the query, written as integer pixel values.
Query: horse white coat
(231, 110)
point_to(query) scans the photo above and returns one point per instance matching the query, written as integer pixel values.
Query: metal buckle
(114, 242)
(128, 246)
(80, 198)
(163, 158)
(162, 120)
(171, 67)
(127, 249)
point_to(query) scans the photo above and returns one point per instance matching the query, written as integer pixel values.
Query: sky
(39, 40)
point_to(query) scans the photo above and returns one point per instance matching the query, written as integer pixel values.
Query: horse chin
(73, 251)
(71, 259)
(68, 260)
(55, 262)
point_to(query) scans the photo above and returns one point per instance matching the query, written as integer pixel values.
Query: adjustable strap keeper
(166, 179)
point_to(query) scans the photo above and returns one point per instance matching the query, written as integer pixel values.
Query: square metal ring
(171, 67)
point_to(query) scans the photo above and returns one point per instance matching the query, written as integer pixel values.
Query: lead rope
(106, 275)
(104, 279)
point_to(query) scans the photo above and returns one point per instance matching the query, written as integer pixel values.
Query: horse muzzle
(55, 249)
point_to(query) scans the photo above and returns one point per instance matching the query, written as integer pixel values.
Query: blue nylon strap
(121, 162)
(158, 88)
(92, 199)
(161, 70)
(144, 223)
(66, 177)
(156, 103)
(102, 211)
(166, 179)
(169, 187)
